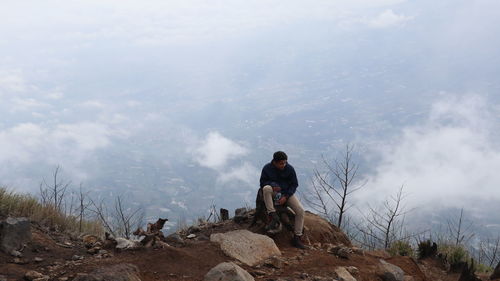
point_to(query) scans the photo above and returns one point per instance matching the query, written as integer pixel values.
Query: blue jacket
(286, 178)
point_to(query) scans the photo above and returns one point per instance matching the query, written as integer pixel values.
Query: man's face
(280, 164)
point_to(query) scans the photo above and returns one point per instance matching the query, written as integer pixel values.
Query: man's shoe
(275, 225)
(297, 242)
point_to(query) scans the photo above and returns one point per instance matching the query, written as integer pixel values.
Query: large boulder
(14, 232)
(228, 271)
(320, 230)
(119, 272)
(391, 272)
(248, 247)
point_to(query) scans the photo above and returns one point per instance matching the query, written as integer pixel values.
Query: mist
(175, 98)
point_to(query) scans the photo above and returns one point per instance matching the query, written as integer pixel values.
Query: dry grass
(25, 205)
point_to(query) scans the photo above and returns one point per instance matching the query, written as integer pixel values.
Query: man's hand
(282, 200)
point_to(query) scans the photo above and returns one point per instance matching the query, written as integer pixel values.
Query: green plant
(401, 248)
(481, 268)
(25, 205)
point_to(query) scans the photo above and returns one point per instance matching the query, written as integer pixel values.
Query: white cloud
(180, 204)
(246, 173)
(30, 144)
(93, 104)
(162, 22)
(450, 160)
(12, 82)
(26, 104)
(56, 95)
(216, 150)
(387, 19)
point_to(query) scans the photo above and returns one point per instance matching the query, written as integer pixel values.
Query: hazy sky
(121, 92)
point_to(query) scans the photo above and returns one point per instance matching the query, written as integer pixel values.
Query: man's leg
(296, 206)
(267, 193)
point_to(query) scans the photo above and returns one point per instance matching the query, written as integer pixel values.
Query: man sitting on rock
(279, 178)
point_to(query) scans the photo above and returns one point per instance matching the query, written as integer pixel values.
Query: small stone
(258, 273)
(191, 236)
(102, 252)
(343, 274)
(20, 261)
(340, 251)
(175, 238)
(76, 257)
(93, 251)
(37, 259)
(63, 279)
(32, 275)
(16, 254)
(358, 251)
(274, 262)
(352, 270)
(194, 229)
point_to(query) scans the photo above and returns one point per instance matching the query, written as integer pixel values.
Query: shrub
(454, 253)
(481, 268)
(427, 249)
(25, 205)
(402, 248)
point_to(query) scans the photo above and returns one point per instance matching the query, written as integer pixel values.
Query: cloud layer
(449, 160)
(226, 157)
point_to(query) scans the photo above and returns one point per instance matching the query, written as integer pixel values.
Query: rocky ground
(330, 256)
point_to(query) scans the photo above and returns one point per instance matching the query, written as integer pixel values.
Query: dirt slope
(194, 259)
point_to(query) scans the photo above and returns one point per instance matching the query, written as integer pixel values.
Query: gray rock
(274, 262)
(119, 272)
(34, 275)
(37, 259)
(343, 274)
(126, 244)
(16, 254)
(240, 215)
(248, 247)
(194, 229)
(240, 212)
(391, 272)
(341, 251)
(175, 238)
(20, 261)
(352, 270)
(228, 271)
(14, 232)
